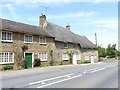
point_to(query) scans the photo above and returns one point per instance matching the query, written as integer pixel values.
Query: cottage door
(28, 57)
(92, 59)
(74, 59)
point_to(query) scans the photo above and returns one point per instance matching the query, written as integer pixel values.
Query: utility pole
(96, 39)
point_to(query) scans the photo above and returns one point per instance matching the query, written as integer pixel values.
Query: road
(104, 75)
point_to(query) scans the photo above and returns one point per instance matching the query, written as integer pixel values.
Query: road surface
(104, 75)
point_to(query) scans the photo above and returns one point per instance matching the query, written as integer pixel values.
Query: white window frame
(66, 44)
(7, 35)
(78, 56)
(66, 57)
(40, 57)
(7, 58)
(28, 35)
(95, 56)
(40, 40)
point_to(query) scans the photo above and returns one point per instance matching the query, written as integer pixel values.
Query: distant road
(103, 75)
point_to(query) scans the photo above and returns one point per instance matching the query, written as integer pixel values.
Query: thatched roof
(64, 35)
(23, 28)
(52, 30)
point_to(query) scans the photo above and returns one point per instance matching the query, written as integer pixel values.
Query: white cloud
(105, 39)
(111, 23)
(11, 10)
(33, 19)
(60, 0)
(10, 7)
(99, 31)
(28, 5)
(106, 29)
(71, 15)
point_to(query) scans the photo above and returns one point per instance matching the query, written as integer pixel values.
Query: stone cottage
(49, 42)
(69, 45)
(14, 35)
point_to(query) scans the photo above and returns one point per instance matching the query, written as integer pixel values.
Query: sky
(85, 17)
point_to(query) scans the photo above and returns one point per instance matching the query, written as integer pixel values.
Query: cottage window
(65, 45)
(6, 36)
(74, 45)
(43, 56)
(28, 39)
(6, 57)
(78, 56)
(86, 58)
(42, 40)
(65, 56)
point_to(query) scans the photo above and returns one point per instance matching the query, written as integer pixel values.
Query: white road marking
(59, 81)
(50, 79)
(112, 65)
(43, 83)
(107, 66)
(98, 70)
(90, 70)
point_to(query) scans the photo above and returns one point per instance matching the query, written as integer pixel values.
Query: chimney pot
(42, 21)
(68, 27)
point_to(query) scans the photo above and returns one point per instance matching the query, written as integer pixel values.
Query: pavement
(99, 75)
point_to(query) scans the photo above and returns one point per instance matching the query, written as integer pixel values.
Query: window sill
(65, 59)
(65, 47)
(6, 62)
(28, 42)
(7, 41)
(43, 60)
(43, 43)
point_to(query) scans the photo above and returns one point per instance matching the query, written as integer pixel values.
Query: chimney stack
(42, 21)
(68, 27)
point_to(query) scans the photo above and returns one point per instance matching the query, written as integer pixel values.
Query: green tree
(101, 51)
(111, 51)
(118, 53)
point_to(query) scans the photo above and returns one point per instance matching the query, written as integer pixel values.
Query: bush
(44, 65)
(7, 67)
(24, 64)
(87, 61)
(37, 62)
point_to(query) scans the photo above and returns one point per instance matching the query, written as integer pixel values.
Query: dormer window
(43, 40)
(65, 45)
(6, 36)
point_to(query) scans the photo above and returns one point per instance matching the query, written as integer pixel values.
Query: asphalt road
(104, 75)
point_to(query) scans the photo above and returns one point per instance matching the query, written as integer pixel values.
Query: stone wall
(35, 47)
(60, 49)
(53, 48)
(90, 53)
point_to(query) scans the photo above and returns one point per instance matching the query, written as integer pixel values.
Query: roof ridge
(19, 22)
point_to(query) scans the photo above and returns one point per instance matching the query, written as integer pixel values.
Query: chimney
(68, 27)
(42, 21)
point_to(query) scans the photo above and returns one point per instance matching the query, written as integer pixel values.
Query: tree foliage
(101, 51)
(111, 51)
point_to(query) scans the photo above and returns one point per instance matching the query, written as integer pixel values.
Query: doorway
(28, 57)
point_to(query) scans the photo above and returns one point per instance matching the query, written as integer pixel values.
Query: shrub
(7, 67)
(24, 48)
(44, 65)
(87, 61)
(80, 62)
(37, 62)
(24, 64)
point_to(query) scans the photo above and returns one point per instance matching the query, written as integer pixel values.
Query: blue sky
(85, 18)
